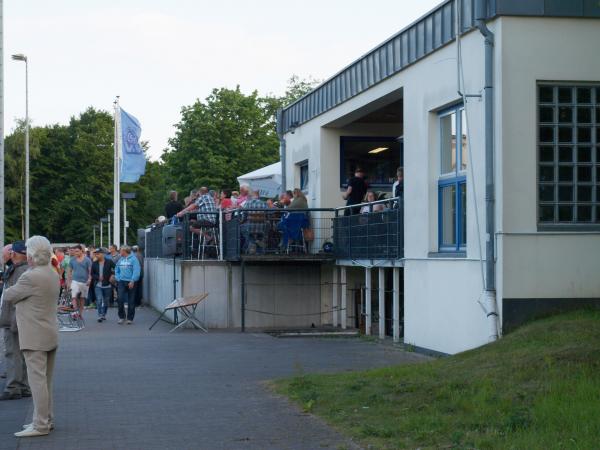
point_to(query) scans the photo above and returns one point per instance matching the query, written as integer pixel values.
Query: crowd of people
(203, 205)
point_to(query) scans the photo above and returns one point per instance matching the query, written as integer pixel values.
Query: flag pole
(117, 193)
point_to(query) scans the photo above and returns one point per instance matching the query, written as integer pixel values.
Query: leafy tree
(228, 134)
(72, 180)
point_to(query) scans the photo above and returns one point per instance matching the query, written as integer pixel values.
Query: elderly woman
(34, 297)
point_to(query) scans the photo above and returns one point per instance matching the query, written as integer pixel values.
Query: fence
(298, 233)
(372, 234)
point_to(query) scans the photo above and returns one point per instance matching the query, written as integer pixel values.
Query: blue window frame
(452, 182)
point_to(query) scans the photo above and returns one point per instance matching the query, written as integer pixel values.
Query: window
(452, 182)
(304, 176)
(379, 157)
(568, 156)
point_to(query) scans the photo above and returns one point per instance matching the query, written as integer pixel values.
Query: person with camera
(16, 385)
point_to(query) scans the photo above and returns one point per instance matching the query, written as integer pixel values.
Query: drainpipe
(282, 158)
(490, 275)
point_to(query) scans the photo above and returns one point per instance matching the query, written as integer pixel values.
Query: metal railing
(342, 233)
(293, 233)
(375, 233)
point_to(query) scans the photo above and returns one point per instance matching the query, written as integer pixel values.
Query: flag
(131, 155)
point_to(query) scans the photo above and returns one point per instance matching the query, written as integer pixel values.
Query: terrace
(315, 234)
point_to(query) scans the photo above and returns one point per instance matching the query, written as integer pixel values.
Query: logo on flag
(133, 160)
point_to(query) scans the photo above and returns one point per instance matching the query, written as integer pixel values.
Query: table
(187, 307)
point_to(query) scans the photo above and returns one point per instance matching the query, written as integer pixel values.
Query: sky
(159, 56)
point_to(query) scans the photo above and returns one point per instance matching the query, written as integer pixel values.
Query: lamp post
(22, 57)
(102, 221)
(94, 233)
(126, 196)
(109, 211)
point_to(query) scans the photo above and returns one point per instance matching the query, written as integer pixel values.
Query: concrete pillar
(396, 304)
(381, 303)
(335, 296)
(344, 311)
(368, 301)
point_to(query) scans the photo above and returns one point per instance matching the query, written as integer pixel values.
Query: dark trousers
(139, 287)
(126, 295)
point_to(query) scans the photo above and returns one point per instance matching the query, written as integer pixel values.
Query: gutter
(282, 148)
(488, 93)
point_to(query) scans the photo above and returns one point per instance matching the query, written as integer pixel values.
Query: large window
(379, 157)
(452, 182)
(568, 156)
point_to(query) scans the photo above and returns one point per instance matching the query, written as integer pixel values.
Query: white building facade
(546, 165)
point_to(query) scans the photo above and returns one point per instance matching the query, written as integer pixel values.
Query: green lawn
(536, 388)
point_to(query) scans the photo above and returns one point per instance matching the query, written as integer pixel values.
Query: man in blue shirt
(127, 274)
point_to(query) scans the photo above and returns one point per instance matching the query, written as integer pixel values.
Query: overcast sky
(161, 55)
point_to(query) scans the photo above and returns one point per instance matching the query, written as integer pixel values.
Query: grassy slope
(537, 388)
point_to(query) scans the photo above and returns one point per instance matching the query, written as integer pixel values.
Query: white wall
(537, 265)
(440, 296)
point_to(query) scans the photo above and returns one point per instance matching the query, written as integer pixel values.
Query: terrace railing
(376, 233)
(317, 233)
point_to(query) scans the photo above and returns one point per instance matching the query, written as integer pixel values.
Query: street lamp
(22, 57)
(109, 211)
(126, 196)
(94, 228)
(102, 220)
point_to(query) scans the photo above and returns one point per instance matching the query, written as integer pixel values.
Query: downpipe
(282, 149)
(490, 303)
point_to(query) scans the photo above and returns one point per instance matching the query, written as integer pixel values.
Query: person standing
(173, 206)
(113, 255)
(79, 278)
(102, 272)
(16, 372)
(127, 274)
(398, 187)
(34, 296)
(137, 251)
(355, 193)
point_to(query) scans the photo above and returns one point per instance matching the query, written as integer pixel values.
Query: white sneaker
(30, 425)
(30, 432)
(120, 321)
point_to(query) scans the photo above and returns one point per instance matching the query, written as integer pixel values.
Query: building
(421, 96)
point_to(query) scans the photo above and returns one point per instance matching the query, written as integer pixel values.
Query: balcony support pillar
(335, 293)
(381, 286)
(396, 304)
(368, 315)
(344, 310)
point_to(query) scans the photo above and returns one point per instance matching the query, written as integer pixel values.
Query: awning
(266, 180)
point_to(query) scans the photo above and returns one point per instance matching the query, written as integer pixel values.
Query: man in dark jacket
(103, 269)
(17, 385)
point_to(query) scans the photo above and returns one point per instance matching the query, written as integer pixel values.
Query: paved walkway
(124, 387)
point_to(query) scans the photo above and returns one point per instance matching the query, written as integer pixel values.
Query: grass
(536, 388)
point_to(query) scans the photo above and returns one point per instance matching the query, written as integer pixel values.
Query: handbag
(309, 234)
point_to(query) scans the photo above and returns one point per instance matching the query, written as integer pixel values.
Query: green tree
(228, 134)
(72, 180)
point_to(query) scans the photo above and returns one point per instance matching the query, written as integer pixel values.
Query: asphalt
(125, 387)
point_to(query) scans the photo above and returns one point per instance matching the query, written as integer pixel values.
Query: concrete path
(124, 387)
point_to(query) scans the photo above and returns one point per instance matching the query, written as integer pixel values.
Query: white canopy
(266, 180)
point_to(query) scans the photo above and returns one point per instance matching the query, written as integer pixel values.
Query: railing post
(220, 235)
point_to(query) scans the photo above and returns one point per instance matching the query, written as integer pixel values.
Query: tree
(227, 135)
(72, 180)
